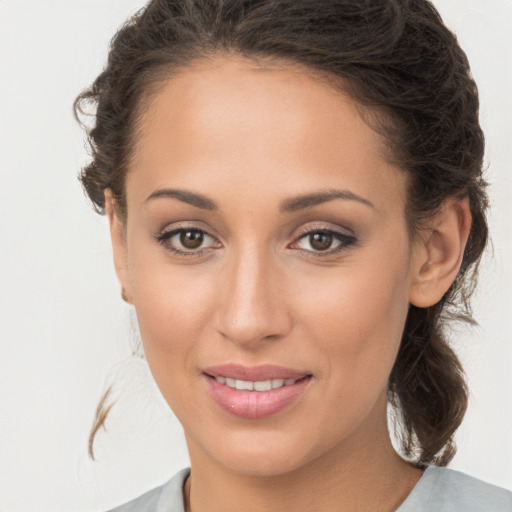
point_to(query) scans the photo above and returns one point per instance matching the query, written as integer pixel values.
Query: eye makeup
(188, 241)
(192, 241)
(324, 242)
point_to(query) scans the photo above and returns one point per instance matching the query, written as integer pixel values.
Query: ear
(438, 254)
(117, 236)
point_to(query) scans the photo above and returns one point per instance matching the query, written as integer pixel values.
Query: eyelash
(344, 239)
(164, 240)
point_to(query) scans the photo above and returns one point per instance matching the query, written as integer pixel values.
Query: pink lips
(254, 404)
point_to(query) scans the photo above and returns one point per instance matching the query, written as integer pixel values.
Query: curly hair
(406, 70)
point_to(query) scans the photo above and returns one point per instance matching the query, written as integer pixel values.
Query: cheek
(356, 317)
(173, 304)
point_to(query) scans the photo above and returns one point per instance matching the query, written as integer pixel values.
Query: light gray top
(439, 490)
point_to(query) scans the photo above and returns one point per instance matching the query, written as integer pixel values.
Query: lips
(255, 373)
(255, 392)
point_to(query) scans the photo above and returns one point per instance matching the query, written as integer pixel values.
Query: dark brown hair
(398, 60)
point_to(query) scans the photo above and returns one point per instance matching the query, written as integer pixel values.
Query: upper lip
(254, 373)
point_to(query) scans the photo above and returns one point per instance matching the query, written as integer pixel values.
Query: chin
(262, 454)
(262, 465)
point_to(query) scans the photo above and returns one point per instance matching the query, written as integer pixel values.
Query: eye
(187, 241)
(191, 239)
(324, 241)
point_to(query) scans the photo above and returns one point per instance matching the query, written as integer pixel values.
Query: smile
(259, 385)
(255, 393)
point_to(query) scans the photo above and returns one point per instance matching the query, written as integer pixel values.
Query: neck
(363, 473)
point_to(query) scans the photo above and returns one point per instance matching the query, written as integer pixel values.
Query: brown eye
(320, 241)
(188, 241)
(191, 239)
(324, 242)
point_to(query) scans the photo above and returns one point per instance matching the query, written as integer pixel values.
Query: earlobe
(438, 255)
(117, 237)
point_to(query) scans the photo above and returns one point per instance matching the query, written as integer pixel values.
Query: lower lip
(255, 404)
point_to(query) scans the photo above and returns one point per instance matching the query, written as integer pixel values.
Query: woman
(296, 206)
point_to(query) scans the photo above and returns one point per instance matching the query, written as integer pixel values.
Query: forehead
(228, 121)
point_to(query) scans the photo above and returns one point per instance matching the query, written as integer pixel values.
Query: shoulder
(167, 497)
(447, 490)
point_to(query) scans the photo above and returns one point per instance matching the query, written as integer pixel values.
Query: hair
(404, 67)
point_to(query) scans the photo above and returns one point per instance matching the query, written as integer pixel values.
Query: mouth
(258, 385)
(256, 392)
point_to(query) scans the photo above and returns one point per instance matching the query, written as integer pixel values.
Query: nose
(252, 300)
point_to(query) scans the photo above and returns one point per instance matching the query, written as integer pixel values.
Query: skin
(258, 291)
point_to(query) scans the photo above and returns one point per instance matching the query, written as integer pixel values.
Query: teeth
(244, 384)
(263, 385)
(260, 385)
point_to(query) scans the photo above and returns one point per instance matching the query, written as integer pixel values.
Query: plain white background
(64, 331)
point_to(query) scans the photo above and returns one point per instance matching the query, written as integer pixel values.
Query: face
(266, 246)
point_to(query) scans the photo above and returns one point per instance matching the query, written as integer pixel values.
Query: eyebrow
(289, 205)
(185, 196)
(309, 200)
